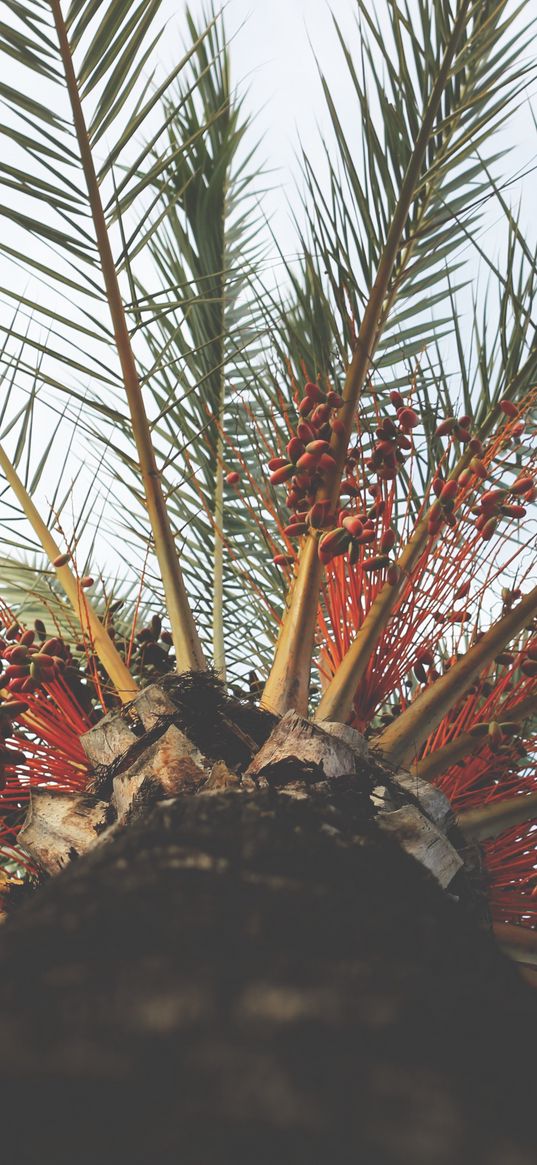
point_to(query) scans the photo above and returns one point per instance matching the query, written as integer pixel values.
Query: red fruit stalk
(509, 863)
(434, 595)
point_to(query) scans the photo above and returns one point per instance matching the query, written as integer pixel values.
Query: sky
(273, 47)
(277, 47)
(274, 44)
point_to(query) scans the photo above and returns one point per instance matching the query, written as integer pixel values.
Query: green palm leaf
(94, 59)
(429, 93)
(202, 321)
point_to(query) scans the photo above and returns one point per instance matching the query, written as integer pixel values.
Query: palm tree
(336, 474)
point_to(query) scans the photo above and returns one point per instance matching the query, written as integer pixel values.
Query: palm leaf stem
(218, 561)
(288, 683)
(185, 636)
(492, 819)
(91, 625)
(400, 742)
(515, 938)
(441, 759)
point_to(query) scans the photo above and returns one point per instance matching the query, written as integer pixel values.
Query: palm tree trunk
(259, 978)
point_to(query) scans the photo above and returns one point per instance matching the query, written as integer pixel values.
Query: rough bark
(259, 978)
(60, 827)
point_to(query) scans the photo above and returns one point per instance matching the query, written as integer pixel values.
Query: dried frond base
(296, 747)
(62, 826)
(424, 842)
(430, 800)
(144, 753)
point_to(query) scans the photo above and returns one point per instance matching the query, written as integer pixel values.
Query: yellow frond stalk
(90, 623)
(401, 741)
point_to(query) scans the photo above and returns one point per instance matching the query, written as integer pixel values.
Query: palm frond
(94, 61)
(202, 324)
(429, 96)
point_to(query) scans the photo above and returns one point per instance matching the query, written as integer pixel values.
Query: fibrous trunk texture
(265, 978)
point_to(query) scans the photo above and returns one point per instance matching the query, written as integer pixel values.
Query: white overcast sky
(273, 43)
(273, 47)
